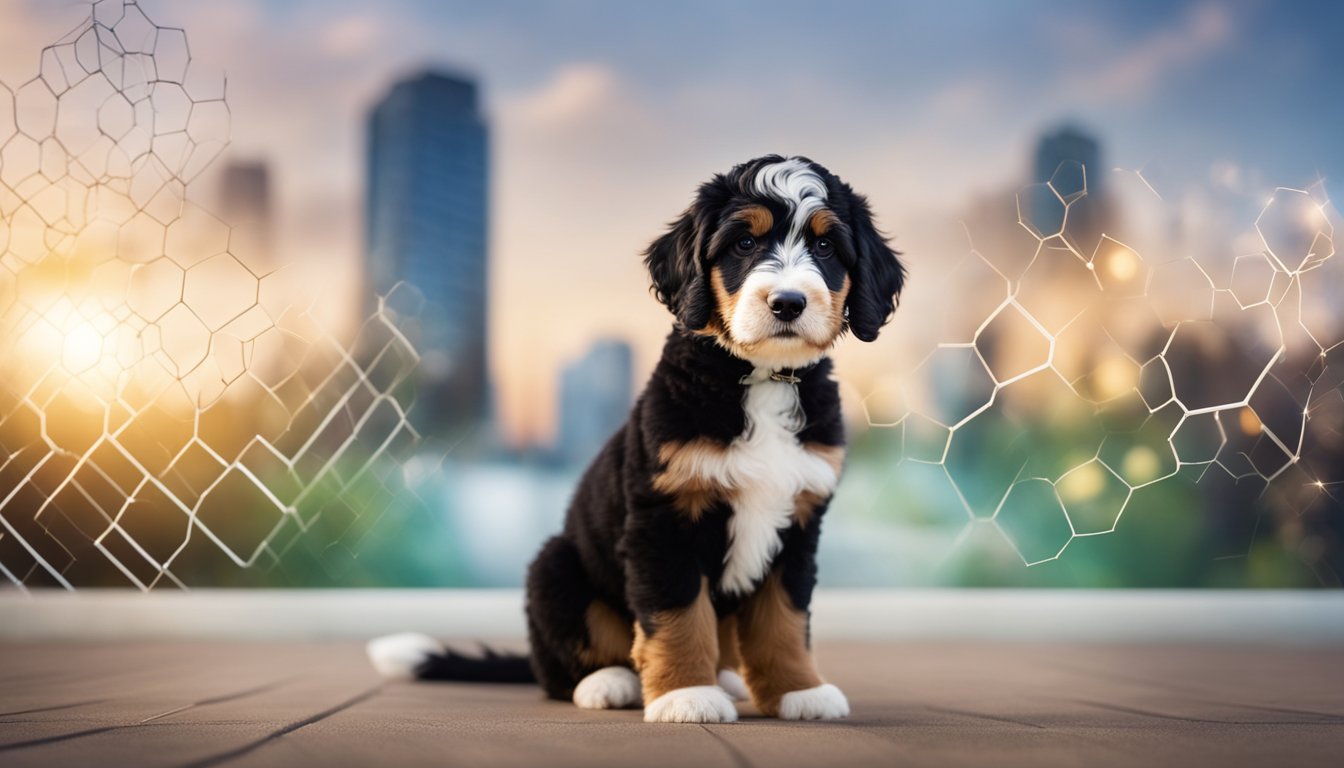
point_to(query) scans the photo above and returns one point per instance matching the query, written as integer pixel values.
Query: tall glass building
(425, 224)
(1068, 155)
(595, 395)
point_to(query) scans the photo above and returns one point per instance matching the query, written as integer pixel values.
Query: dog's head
(776, 259)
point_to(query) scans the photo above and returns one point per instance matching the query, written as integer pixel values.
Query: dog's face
(776, 259)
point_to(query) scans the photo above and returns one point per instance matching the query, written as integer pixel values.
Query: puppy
(684, 573)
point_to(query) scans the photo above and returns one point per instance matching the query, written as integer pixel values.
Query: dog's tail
(413, 656)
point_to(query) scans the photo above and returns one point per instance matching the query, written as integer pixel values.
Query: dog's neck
(782, 375)
(703, 360)
(703, 384)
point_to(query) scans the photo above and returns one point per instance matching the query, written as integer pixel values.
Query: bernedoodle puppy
(685, 570)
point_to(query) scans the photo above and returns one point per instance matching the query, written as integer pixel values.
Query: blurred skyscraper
(425, 224)
(1067, 155)
(245, 205)
(1070, 160)
(595, 396)
(1067, 142)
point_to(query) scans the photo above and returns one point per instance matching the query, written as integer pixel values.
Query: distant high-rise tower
(245, 205)
(595, 395)
(425, 224)
(1066, 155)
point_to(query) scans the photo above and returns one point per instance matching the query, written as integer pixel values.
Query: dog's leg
(572, 633)
(730, 661)
(676, 652)
(676, 649)
(614, 684)
(778, 662)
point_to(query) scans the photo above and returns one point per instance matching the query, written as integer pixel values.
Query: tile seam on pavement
(52, 708)
(1185, 719)
(984, 716)
(739, 757)
(119, 726)
(232, 754)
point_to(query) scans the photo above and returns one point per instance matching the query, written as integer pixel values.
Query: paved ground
(267, 704)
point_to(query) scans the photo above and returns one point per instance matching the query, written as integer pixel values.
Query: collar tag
(783, 376)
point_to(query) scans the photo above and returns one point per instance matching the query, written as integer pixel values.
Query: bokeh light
(161, 408)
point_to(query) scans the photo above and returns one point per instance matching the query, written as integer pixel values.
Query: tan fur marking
(775, 656)
(683, 478)
(838, 306)
(758, 218)
(712, 328)
(833, 455)
(609, 637)
(806, 503)
(724, 301)
(683, 649)
(822, 221)
(729, 657)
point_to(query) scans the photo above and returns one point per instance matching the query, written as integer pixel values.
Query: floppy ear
(877, 275)
(677, 260)
(678, 278)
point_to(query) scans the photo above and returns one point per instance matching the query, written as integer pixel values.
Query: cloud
(573, 94)
(24, 25)
(965, 98)
(351, 35)
(1227, 175)
(1136, 71)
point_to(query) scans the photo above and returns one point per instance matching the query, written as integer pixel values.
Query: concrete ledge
(1223, 617)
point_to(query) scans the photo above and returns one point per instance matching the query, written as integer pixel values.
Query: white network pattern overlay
(167, 410)
(163, 405)
(1088, 368)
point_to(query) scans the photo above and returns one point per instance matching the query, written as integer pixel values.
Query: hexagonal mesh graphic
(156, 383)
(153, 388)
(1098, 369)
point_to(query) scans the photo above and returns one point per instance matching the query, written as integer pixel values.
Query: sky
(605, 115)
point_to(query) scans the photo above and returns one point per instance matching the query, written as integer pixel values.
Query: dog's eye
(746, 245)
(824, 248)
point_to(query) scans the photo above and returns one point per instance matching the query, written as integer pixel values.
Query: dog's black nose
(788, 305)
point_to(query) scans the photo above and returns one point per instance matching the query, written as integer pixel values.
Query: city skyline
(1085, 359)
(596, 392)
(601, 137)
(245, 201)
(425, 223)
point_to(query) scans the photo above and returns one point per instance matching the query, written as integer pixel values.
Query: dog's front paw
(696, 704)
(733, 684)
(608, 688)
(825, 702)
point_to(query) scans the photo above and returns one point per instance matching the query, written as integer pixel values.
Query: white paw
(608, 688)
(696, 704)
(733, 684)
(398, 656)
(825, 702)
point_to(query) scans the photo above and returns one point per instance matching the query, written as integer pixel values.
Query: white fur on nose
(754, 323)
(790, 268)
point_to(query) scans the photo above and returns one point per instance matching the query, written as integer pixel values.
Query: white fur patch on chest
(764, 471)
